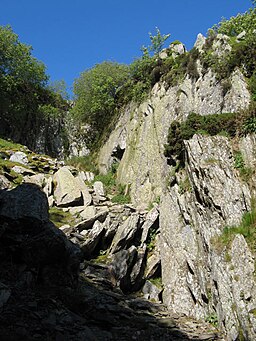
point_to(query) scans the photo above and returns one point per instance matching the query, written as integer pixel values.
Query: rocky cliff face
(202, 277)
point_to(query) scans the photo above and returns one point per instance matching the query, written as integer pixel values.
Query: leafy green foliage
(212, 319)
(245, 172)
(235, 25)
(95, 95)
(210, 124)
(247, 228)
(25, 99)
(118, 193)
(157, 41)
(242, 54)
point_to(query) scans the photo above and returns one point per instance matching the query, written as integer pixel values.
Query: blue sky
(72, 36)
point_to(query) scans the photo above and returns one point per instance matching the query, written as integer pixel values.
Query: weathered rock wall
(201, 279)
(142, 131)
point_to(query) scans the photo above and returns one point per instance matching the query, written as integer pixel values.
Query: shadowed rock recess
(175, 263)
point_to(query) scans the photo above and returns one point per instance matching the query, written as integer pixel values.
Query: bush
(210, 124)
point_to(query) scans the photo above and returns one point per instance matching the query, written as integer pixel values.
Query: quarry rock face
(202, 276)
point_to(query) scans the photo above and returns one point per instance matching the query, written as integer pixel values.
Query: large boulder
(26, 201)
(29, 238)
(67, 191)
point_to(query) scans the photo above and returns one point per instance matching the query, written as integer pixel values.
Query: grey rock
(88, 213)
(125, 233)
(122, 266)
(88, 223)
(87, 198)
(200, 41)
(99, 189)
(137, 272)
(153, 265)
(22, 170)
(241, 36)
(4, 183)
(19, 157)
(151, 292)
(150, 220)
(67, 191)
(93, 237)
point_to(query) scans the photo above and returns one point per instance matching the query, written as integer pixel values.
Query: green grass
(9, 145)
(247, 228)
(60, 218)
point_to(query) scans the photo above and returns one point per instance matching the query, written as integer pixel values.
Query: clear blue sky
(71, 36)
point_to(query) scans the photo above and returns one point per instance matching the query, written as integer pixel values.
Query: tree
(22, 79)
(157, 41)
(95, 94)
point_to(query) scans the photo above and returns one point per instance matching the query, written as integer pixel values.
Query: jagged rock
(88, 223)
(221, 45)
(177, 49)
(22, 170)
(67, 191)
(87, 198)
(4, 183)
(122, 264)
(153, 265)
(76, 209)
(92, 238)
(38, 179)
(125, 233)
(200, 41)
(150, 220)
(19, 157)
(137, 272)
(88, 213)
(151, 292)
(51, 201)
(241, 36)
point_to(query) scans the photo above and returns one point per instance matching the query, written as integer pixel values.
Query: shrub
(210, 124)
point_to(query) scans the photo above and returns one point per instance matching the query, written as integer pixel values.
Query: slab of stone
(19, 157)
(88, 213)
(67, 191)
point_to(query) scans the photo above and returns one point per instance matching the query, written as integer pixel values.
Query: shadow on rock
(44, 297)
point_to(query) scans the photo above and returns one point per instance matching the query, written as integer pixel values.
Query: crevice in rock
(118, 153)
(205, 298)
(190, 269)
(193, 296)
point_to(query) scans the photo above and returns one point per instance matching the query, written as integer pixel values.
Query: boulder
(98, 189)
(28, 237)
(88, 223)
(22, 170)
(125, 233)
(67, 191)
(122, 264)
(93, 237)
(19, 157)
(87, 198)
(88, 213)
(151, 292)
(151, 219)
(26, 201)
(4, 183)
